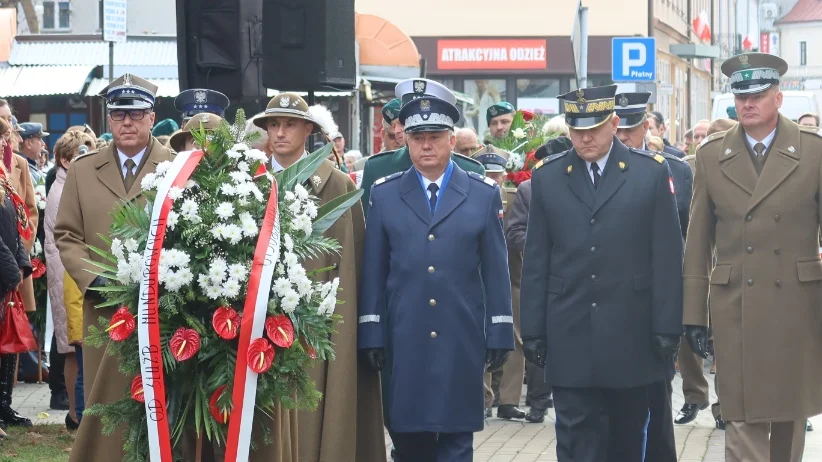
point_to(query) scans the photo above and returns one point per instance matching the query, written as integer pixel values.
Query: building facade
(85, 17)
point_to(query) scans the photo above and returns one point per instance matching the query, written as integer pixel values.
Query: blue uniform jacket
(603, 269)
(421, 298)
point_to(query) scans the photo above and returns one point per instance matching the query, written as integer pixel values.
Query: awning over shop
(166, 88)
(16, 81)
(385, 49)
(134, 52)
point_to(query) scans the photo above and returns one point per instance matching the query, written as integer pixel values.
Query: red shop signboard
(508, 54)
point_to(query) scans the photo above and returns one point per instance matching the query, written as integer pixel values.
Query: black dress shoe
(688, 413)
(550, 403)
(12, 418)
(720, 424)
(71, 424)
(536, 415)
(509, 411)
(59, 402)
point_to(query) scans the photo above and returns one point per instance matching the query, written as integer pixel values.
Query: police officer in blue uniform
(435, 306)
(601, 291)
(196, 100)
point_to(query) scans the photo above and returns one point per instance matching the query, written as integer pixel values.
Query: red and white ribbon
(148, 326)
(244, 396)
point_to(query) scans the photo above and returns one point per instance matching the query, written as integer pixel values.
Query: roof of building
(134, 52)
(803, 11)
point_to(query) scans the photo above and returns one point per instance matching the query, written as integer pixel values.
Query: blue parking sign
(633, 59)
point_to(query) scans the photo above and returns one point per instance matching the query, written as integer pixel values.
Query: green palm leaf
(301, 170)
(329, 212)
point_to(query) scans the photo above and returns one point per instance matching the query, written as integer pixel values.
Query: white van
(794, 104)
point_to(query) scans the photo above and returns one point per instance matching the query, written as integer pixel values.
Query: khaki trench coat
(766, 287)
(347, 425)
(21, 181)
(93, 187)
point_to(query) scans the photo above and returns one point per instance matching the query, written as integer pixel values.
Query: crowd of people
(623, 259)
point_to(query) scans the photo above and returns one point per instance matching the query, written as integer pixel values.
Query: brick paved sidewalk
(503, 440)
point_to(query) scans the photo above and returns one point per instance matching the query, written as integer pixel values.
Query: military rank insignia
(659, 158)
(621, 166)
(569, 169)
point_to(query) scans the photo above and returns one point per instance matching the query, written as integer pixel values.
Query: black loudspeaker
(309, 45)
(219, 47)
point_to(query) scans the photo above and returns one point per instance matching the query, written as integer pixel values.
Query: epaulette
(814, 130)
(712, 137)
(83, 156)
(650, 154)
(670, 157)
(466, 158)
(550, 158)
(482, 178)
(388, 178)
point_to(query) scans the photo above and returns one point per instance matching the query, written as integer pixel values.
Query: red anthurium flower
(184, 344)
(226, 322)
(137, 389)
(260, 355)
(220, 414)
(122, 325)
(38, 268)
(280, 330)
(309, 350)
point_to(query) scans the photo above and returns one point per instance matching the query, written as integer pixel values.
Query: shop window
(485, 93)
(538, 95)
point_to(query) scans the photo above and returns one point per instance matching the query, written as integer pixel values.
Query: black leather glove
(374, 357)
(666, 346)
(496, 358)
(697, 337)
(99, 281)
(535, 351)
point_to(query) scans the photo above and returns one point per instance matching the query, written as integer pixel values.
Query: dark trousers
(661, 446)
(79, 397)
(434, 447)
(539, 389)
(601, 424)
(57, 364)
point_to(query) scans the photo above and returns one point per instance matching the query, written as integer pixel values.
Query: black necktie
(595, 171)
(432, 201)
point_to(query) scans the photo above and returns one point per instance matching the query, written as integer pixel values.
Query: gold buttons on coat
(430, 237)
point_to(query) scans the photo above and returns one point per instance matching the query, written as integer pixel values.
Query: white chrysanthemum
(232, 154)
(304, 287)
(175, 258)
(290, 196)
(310, 209)
(131, 245)
(214, 292)
(191, 184)
(124, 271)
(257, 193)
(190, 210)
(240, 147)
(302, 223)
(279, 270)
(225, 210)
(248, 225)
(148, 182)
(295, 208)
(255, 155)
(243, 189)
(335, 285)
(175, 193)
(243, 166)
(172, 281)
(217, 270)
(238, 272)
(290, 259)
(231, 288)
(281, 286)
(242, 202)
(301, 192)
(185, 275)
(239, 177)
(171, 220)
(228, 189)
(288, 242)
(117, 248)
(218, 231)
(290, 301)
(519, 133)
(233, 233)
(163, 167)
(296, 273)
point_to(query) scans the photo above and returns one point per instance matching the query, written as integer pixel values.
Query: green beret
(731, 112)
(391, 110)
(503, 107)
(165, 127)
(107, 137)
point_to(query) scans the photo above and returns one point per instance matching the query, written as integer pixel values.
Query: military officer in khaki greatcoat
(513, 372)
(757, 206)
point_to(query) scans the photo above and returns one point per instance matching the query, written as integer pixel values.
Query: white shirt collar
(276, 167)
(600, 162)
(426, 182)
(767, 141)
(136, 158)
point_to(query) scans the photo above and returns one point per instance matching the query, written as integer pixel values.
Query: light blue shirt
(137, 158)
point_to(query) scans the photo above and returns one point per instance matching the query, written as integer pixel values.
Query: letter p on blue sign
(633, 59)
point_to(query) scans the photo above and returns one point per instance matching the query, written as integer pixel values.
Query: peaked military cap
(429, 114)
(410, 89)
(492, 158)
(498, 109)
(204, 119)
(165, 127)
(129, 92)
(753, 72)
(631, 108)
(588, 108)
(286, 105)
(553, 146)
(15, 125)
(391, 110)
(197, 100)
(31, 129)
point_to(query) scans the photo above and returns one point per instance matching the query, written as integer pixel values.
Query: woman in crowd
(14, 267)
(70, 145)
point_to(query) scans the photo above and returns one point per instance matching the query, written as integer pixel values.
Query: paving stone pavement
(505, 440)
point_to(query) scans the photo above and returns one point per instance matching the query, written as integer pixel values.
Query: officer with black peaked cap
(196, 100)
